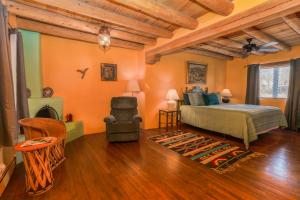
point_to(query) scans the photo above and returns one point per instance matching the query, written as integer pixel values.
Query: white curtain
(13, 51)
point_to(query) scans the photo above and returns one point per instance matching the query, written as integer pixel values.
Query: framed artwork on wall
(196, 72)
(108, 72)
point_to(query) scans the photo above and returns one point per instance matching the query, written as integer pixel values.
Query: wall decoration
(196, 72)
(83, 72)
(47, 92)
(108, 72)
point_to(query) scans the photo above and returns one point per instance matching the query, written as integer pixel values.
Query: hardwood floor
(95, 169)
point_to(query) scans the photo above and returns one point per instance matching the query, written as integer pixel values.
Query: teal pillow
(211, 99)
(219, 97)
(186, 100)
(196, 99)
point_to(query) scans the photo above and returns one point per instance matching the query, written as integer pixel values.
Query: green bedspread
(238, 120)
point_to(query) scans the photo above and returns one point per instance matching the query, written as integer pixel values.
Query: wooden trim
(272, 64)
(158, 10)
(264, 12)
(293, 21)
(71, 34)
(82, 8)
(275, 64)
(221, 7)
(68, 22)
(253, 32)
(208, 53)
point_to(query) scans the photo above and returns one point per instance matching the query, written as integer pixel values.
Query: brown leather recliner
(46, 127)
(123, 123)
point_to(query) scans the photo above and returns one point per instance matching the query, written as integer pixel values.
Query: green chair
(123, 123)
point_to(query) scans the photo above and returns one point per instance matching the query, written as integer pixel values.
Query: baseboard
(4, 179)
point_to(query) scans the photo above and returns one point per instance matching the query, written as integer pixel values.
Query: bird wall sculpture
(83, 72)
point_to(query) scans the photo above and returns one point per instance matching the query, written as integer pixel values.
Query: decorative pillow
(211, 99)
(219, 97)
(196, 99)
(197, 89)
(186, 100)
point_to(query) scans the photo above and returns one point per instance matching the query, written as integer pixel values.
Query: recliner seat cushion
(123, 127)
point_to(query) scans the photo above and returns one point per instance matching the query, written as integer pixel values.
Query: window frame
(273, 66)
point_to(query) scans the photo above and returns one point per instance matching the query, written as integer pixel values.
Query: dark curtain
(292, 109)
(252, 94)
(8, 120)
(22, 102)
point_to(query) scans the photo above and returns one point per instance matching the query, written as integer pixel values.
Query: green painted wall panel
(31, 45)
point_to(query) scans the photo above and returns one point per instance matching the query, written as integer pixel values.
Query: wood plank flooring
(95, 169)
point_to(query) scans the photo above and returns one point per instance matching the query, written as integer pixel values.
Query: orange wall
(87, 99)
(169, 73)
(236, 75)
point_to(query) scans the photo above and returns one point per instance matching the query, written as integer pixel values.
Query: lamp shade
(226, 93)
(104, 37)
(172, 95)
(133, 86)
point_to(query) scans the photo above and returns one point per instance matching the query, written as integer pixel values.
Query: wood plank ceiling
(131, 25)
(135, 23)
(285, 31)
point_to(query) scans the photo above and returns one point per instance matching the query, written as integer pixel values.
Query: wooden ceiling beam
(219, 50)
(84, 9)
(71, 34)
(261, 13)
(293, 21)
(84, 18)
(208, 53)
(259, 35)
(12, 21)
(45, 16)
(221, 7)
(160, 11)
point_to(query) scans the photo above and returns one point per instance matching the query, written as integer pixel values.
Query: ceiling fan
(252, 47)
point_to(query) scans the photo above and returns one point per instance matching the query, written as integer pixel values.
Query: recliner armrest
(137, 118)
(110, 119)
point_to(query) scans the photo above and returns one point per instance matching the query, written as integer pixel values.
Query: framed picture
(108, 72)
(196, 72)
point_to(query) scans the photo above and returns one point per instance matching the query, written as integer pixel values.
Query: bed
(238, 120)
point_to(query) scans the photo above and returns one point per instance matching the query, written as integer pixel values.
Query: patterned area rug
(216, 155)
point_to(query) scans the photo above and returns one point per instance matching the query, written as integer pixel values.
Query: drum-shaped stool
(39, 178)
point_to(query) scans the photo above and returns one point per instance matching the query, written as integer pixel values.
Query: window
(274, 81)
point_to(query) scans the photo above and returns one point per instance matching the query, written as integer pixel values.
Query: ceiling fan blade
(268, 50)
(268, 44)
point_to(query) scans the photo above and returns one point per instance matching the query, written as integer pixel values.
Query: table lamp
(133, 86)
(226, 94)
(172, 96)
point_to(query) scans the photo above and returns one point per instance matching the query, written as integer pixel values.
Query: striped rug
(219, 156)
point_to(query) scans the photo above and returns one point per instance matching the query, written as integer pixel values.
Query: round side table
(39, 178)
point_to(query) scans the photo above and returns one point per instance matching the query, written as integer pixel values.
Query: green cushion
(196, 99)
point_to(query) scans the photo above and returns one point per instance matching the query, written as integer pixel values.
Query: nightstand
(172, 118)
